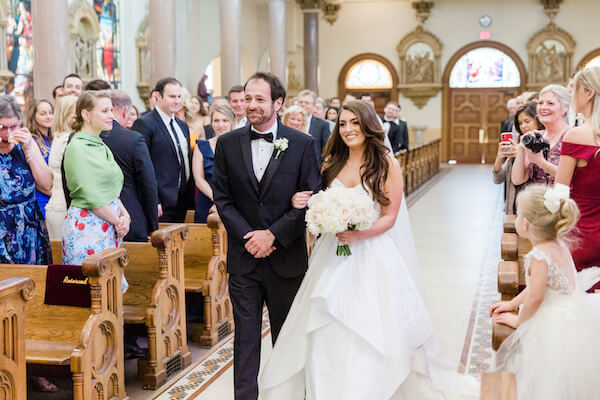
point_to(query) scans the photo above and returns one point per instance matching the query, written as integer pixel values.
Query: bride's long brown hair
(375, 167)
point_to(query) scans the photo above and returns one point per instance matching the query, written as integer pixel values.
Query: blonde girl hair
(34, 127)
(64, 111)
(589, 79)
(227, 112)
(87, 101)
(544, 224)
(295, 110)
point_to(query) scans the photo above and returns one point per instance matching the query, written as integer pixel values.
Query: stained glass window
(19, 49)
(368, 74)
(108, 44)
(485, 67)
(594, 62)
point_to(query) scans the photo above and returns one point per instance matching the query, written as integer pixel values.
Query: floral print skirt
(85, 233)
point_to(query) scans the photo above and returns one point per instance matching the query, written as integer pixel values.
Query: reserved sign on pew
(66, 285)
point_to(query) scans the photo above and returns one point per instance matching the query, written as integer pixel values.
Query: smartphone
(506, 136)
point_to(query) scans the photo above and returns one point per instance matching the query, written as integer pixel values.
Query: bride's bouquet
(339, 209)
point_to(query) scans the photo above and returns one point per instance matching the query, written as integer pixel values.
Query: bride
(358, 328)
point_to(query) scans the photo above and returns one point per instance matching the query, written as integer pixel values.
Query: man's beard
(259, 119)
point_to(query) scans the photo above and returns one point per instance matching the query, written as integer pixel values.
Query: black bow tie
(267, 136)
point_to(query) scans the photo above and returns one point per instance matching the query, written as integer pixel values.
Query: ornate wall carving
(142, 45)
(550, 52)
(420, 54)
(84, 32)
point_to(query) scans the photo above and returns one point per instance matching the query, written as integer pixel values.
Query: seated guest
(24, 237)
(200, 111)
(97, 84)
(579, 168)
(216, 101)
(151, 101)
(56, 209)
(552, 111)
(57, 93)
(525, 121)
(72, 85)
(332, 113)
(223, 121)
(38, 120)
(139, 194)
(295, 117)
(237, 102)
(335, 102)
(319, 108)
(96, 218)
(398, 132)
(318, 128)
(348, 99)
(186, 114)
(168, 140)
(134, 114)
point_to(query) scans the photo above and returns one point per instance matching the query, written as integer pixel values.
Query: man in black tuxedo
(253, 183)
(139, 194)
(398, 133)
(317, 127)
(168, 140)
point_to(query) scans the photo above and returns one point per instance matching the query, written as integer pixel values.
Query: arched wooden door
(369, 73)
(478, 81)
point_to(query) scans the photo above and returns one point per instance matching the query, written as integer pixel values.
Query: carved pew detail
(90, 340)
(419, 164)
(14, 293)
(156, 297)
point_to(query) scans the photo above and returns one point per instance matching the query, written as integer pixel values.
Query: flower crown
(554, 195)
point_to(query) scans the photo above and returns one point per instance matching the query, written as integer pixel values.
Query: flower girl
(554, 351)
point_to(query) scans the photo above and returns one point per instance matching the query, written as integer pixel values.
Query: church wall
(132, 14)
(378, 25)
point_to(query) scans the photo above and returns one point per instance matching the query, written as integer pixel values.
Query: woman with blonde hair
(552, 111)
(295, 117)
(186, 113)
(56, 209)
(222, 121)
(579, 167)
(38, 119)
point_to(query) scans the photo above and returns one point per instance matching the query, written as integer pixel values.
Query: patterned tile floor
(197, 379)
(477, 355)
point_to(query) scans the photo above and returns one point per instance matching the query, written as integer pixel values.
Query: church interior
(452, 67)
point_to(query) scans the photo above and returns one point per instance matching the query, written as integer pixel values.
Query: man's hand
(160, 213)
(260, 243)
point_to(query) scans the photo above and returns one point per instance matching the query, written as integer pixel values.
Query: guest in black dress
(222, 120)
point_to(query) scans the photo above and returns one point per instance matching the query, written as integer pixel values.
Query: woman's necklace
(355, 166)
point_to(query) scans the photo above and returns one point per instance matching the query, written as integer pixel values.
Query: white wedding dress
(358, 328)
(555, 353)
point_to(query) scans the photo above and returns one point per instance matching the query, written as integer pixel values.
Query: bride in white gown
(358, 328)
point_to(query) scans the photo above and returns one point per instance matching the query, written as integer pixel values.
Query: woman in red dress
(579, 167)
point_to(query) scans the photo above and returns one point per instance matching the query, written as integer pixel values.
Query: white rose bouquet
(339, 209)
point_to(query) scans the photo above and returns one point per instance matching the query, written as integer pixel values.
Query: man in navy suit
(139, 194)
(317, 127)
(253, 184)
(168, 140)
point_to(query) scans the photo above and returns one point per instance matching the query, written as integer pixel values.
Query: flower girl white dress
(358, 328)
(555, 354)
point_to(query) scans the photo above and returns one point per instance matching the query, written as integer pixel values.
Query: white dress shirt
(242, 123)
(262, 151)
(182, 140)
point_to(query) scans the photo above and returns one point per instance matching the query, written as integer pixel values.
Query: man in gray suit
(317, 127)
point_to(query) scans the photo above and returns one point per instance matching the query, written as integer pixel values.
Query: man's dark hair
(218, 98)
(160, 85)
(235, 89)
(56, 90)
(98, 84)
(277, 89)
(73, 75)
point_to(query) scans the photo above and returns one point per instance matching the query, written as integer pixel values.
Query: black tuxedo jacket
(319, 130)
(246, 205)
(166, 164)
(398, 135)
(139, 194)
(507, 124)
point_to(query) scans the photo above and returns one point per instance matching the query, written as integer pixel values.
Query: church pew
(89, 340)
(205, 266)
(14, 294)
(156, 298)
(509, 223)
(498, 386)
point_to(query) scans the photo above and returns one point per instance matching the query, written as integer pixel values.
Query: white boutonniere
(281, 145)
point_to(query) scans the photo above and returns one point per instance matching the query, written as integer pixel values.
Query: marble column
(311, 49)
(277, 30)
(162, 39)
(50, 26)
(230, 20)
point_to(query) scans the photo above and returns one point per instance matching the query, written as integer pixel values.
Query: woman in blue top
(222, 121)
(23, 234)
(38, 119)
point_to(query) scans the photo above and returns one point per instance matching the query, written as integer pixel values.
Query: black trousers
(248, 294)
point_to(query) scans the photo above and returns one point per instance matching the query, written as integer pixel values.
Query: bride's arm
(393, 190)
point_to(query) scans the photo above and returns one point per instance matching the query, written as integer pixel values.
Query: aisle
(456, 227)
